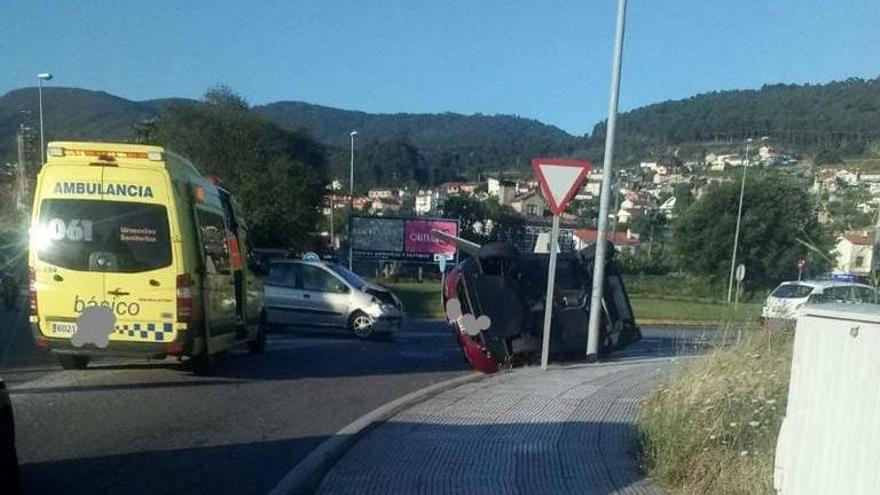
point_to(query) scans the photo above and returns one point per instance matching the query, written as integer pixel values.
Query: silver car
(316, 294)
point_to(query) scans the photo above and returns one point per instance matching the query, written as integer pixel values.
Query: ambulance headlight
(40, 238)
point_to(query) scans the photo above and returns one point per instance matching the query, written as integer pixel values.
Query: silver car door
(284, 301)
(325, 295)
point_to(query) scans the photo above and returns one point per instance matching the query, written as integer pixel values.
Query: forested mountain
(70, 113)
(843, 117)
(404, 148)
(840, 117)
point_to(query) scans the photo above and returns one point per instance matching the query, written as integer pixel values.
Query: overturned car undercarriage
(506, 291)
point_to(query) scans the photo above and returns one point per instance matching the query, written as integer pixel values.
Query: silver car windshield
(350, 277)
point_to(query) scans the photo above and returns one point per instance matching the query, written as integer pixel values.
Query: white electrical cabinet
(830, 439)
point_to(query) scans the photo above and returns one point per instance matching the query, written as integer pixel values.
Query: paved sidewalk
(569, 430)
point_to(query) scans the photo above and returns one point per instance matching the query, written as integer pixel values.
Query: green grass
(419, 299)
(653, 309)
(712, 428)
(686, 287)
(423, 299)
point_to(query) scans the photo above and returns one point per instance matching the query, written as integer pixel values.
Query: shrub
(713, 427)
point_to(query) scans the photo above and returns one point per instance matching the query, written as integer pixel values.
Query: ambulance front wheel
(73, 362)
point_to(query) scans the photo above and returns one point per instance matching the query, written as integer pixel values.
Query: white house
(428, 201)
(848, 177)
(529, 205)
(493, 186)
(385, 206)
(717, 166)
(382, 193)
(766, 152)
(501, 189)
(855, 250)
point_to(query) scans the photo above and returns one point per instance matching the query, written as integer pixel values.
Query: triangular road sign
(560, 179)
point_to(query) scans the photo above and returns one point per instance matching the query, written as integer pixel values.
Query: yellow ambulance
(139, 232)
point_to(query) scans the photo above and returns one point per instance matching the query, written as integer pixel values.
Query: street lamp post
(332, 238)
(742, 190)
(351, 201)
(43, 76)
(605, 195)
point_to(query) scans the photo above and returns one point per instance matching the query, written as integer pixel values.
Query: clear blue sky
(545, 59)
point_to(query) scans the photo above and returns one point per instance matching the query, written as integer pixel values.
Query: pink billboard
(418, 238)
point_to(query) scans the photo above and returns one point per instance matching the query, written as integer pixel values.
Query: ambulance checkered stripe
(147, 331)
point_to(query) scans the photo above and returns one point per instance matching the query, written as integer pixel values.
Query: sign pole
(740, 276)
(605, 197)
(441, 264)
(559, 180)
(548, 302)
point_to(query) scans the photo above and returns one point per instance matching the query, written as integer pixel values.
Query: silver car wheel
(362, 326)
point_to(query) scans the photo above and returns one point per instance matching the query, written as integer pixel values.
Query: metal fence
(533, 236)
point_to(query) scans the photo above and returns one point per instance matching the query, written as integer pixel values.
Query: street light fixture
(43, 76)
(351, 200)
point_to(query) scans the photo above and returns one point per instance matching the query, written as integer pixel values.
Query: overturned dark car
(509, 288)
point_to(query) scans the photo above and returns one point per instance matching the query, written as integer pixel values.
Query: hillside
(426, 131)
(463, 143)
(843, 117)
(839, 117)
(70, 113)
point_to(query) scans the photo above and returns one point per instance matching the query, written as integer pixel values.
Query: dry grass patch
(712, 427)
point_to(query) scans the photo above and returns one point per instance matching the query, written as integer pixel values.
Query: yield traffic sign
(560, 179)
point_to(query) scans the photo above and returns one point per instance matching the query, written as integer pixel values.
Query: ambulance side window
(212, 231)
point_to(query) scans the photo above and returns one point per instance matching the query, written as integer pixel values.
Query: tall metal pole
(21, 180)
(548, 302)
(742, 190)
(332, 241)
(42, 139)
(351, 202)
(605, 197)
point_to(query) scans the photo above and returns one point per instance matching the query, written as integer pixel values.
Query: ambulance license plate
(63, 327)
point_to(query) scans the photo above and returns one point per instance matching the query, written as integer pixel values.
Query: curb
(306, 476)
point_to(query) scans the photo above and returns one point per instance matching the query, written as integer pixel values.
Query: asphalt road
(127, 426)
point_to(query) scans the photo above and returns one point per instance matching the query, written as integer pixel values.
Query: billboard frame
(387, 256)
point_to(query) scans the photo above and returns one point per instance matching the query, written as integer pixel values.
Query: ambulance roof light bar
(106, 155)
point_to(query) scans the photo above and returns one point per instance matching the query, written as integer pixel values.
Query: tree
(778, 223)
(844, 210)
(278, 176)
(651, 226)
(684, 198)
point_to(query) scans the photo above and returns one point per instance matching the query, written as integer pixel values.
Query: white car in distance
(786, 300)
